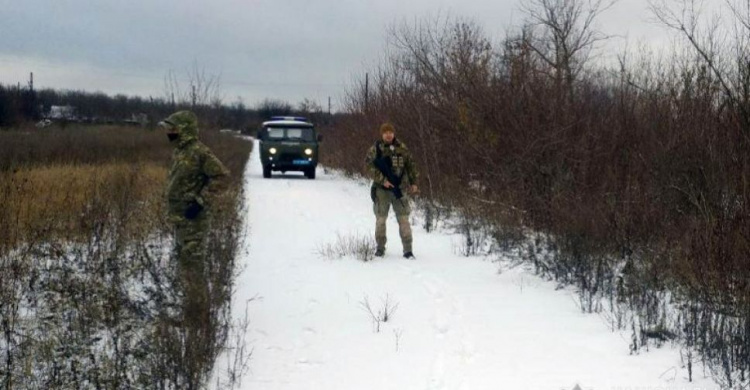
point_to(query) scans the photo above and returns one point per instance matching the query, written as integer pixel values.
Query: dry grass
(360, 247)
(53, 199)
(80, 144)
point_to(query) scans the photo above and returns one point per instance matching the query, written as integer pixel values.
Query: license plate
(301, 162)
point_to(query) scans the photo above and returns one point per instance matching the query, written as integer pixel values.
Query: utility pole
(32, 109)
(329, 106)
(367, 92)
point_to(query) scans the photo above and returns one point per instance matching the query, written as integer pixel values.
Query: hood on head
(186, 123)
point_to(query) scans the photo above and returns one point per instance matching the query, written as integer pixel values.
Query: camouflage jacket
(195, 172)
(402, 163)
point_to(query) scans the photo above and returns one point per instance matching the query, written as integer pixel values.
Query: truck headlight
(272, 150)
(308, 152)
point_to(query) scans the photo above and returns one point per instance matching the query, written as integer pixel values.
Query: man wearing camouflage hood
(194, 179)
(394, 176)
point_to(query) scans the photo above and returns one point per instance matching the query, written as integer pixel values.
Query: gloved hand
(193, 209)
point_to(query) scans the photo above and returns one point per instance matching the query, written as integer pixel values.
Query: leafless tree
(270, 107)
(724, 52)
(200, 90)
(309, 106)
(563, 34)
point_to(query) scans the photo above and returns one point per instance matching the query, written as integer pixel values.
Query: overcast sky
(280, 49)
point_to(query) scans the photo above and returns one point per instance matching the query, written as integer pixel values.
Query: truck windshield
(291, 133)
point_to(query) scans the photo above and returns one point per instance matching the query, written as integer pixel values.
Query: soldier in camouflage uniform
(195, 178)
(384, 194)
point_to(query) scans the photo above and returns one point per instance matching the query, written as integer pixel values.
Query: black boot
(380, 253)
(409, 255)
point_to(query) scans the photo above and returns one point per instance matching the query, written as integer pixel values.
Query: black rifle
(384, 165)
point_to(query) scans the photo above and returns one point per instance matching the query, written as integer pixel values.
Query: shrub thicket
(630, 183)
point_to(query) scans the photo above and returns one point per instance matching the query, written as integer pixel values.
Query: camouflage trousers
(190, 253)
(382, 203)
(190, 250)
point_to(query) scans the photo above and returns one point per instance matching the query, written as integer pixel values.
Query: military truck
(289, 144)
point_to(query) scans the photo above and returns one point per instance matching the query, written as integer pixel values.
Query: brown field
(89, 293)
(56, 200)
(52, 181)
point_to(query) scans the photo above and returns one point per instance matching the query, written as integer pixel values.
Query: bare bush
(397, 334)
(360, 247)
(382, 314)
(238, 354)
(475, 239)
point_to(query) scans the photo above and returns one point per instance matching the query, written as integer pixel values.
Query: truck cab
(289, 144)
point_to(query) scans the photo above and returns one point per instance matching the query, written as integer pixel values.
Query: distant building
(62, 112)
(137, 120)
(140, 119)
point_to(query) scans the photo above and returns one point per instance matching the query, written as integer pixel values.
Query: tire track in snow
(455, 344)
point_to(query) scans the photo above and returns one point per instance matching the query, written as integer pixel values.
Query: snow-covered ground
(459, 323)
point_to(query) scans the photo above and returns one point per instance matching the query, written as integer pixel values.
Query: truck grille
(289, 157)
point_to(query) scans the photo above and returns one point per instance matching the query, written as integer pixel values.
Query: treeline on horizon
(22, 106)
(630, 182)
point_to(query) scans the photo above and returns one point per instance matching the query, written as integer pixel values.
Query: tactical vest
(398, 160)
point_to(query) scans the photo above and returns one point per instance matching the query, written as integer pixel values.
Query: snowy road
(459, 323)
